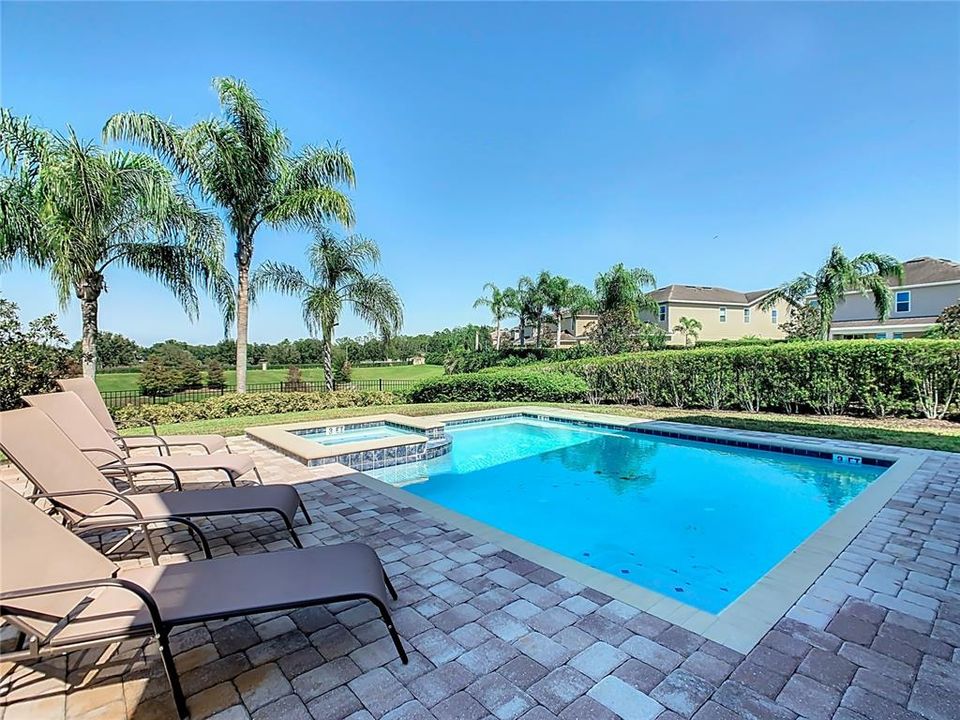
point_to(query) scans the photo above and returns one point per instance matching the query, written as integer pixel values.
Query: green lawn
(130, 381)
(929, 434)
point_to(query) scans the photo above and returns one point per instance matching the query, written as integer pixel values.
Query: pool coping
(744, 622)
(286, 440)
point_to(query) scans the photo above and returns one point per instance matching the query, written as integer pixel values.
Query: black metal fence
(117, 398)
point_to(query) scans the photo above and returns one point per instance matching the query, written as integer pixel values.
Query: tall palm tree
(340, 280)
(537, 302)
(498, 302)
(69, 206)
(243, 163)
(867, 274)
(621, 288)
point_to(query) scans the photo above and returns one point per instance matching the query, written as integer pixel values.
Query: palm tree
(689, 328)
(340, 280)
(518, 302)
(69, 206)
(498, 302)
(562, 294)
(866, 274)
(621, 288)
(242, 163)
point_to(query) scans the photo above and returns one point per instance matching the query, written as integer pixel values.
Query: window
(746, 316)
(880, 336)
(898, 336)
(723, 314)
(903, 301)
(663, 313)
(774, 316)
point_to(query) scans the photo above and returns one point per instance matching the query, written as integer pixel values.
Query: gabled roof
(706, 294)
(923, 270)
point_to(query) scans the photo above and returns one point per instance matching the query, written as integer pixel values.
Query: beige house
(724, 314)
(929, 285)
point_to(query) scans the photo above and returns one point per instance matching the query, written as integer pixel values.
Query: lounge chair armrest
(142, 465)
(141, 422)
(118, 583)
(104, 451)
(115, 494)
(107, 521)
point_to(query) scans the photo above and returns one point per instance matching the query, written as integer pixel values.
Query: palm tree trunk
(523, 332)
(559, 320)
(328, 359)
(498, 333)
(244, 248)
(89, 294)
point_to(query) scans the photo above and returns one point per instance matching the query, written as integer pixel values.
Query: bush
(460, 361)
(243, 404)
(343, 371)
(168, 370)
(31, 359)
(505, 385)
(871, 377)
(215, 377)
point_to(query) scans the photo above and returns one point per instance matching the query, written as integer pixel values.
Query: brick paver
(491, 634)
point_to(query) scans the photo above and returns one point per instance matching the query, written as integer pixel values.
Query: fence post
(381, 384)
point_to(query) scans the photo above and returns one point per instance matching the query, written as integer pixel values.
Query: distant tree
(341, 279)
(343, 372)
(284, 353)
(617, 331)
(690, 329)
(521, 303)
(170, 368)
(867, 274)
(497, 300)
(114, 350)
(294, 380)
(215, 377)
(31, 359)
(561, 295)
(620, 288)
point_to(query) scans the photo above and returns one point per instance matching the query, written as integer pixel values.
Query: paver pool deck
(492, 634)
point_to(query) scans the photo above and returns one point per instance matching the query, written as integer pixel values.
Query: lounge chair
(90, 394)
(88, 502)
(76, 421)
(63, 595)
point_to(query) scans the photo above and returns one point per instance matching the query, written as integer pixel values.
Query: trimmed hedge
(918, 377)
(236, 405)
(519, 386)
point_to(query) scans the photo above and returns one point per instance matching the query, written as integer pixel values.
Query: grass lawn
(130, 381)
(929, 434)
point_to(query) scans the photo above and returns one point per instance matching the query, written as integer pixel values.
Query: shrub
(343, 372)
(871, 377)
(169, 369)
(505, 385)
(215, 377)
(31, 359)
(293, 382)
(236, 405)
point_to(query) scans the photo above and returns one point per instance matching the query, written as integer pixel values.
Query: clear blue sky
(722, 144)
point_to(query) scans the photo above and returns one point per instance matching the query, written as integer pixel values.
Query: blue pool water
(356, 435)
(697, 522)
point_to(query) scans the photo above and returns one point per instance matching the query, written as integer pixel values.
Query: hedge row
(505, 385)
(919, 377)
(237, 405)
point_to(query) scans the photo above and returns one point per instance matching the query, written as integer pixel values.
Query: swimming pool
(697, 522)
(341, 436)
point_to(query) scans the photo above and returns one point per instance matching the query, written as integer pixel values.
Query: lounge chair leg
(151, 550)
(386, 581)
(394, 635)
(303, 509)
(293, 533)
(167, 658)
(256, 471)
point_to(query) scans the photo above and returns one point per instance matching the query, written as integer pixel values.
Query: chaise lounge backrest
(91, 397)
(47, 457)
(35, 552)
(76, 421)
